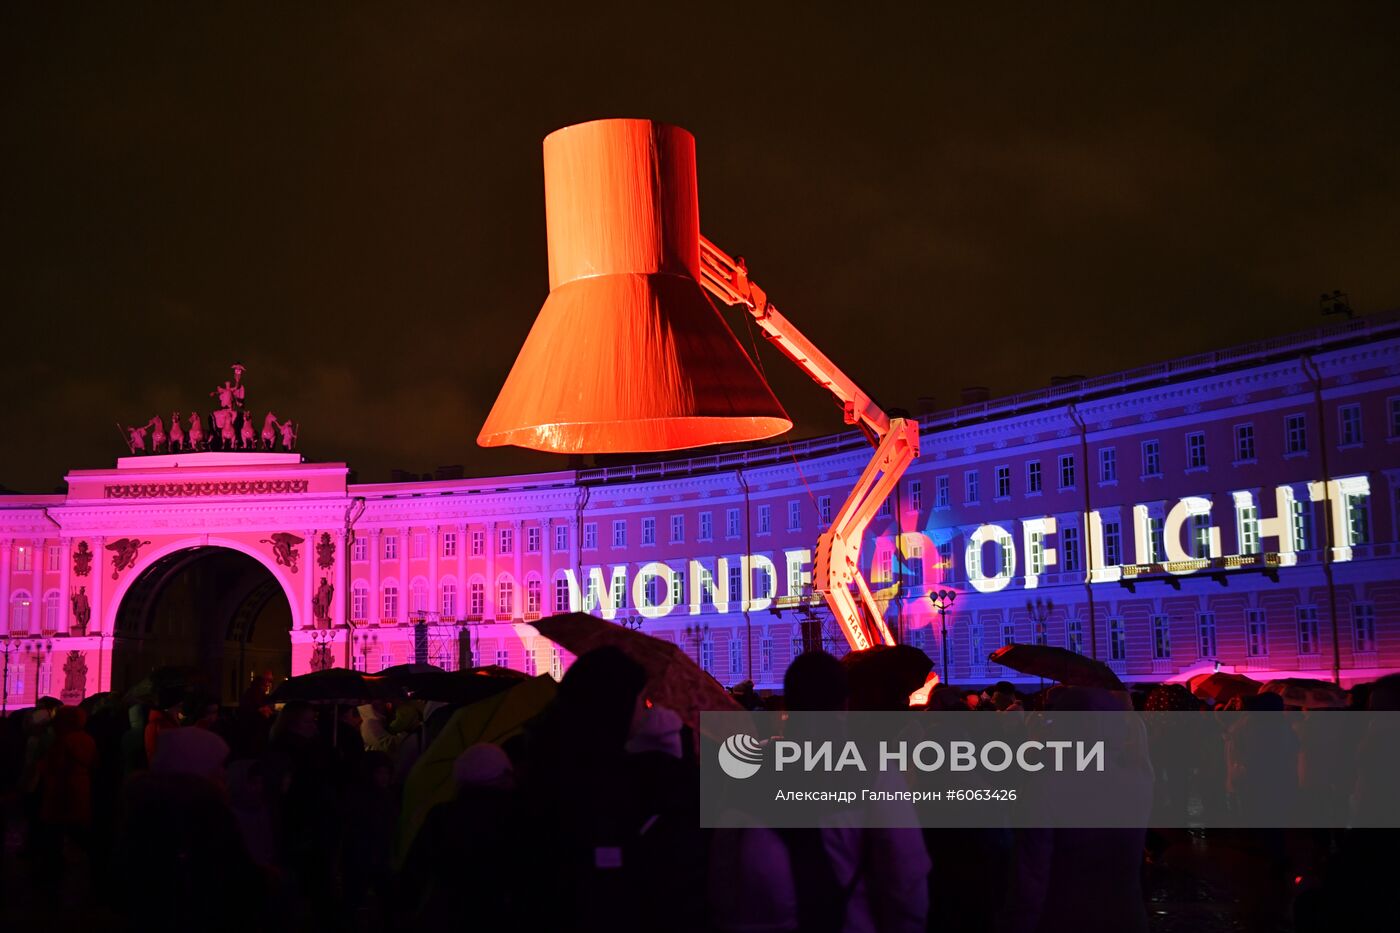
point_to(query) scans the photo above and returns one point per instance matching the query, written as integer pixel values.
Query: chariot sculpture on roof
(231, 426)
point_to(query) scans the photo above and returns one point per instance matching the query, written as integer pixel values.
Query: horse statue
(246, 435)
(157, 433)
(196, 431)
(269, 431)
(177, 433)
(223, 423)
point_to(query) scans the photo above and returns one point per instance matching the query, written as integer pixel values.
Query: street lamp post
(942, 602)
(1039, 610)
(699, 633)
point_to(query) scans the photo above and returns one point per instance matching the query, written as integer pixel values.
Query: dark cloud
(348, 198)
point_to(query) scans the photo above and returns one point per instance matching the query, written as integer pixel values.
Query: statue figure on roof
(247, 435)
(289, 434)
(157, 433)
(231, 394)
(223, 423)
(321, 603)
(269, 431)
(135, 437)
(196, 431)
(177, 433)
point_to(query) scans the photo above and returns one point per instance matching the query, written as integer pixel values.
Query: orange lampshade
(628, 353)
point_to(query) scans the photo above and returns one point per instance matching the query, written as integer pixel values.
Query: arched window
(561, 594)
(505, 597)
(51, 616)
(19, 613)
(418, 596)
(449, 598)
(391, 601)
(359, 601)
(533, 591)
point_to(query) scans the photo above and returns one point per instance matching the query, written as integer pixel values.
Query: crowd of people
(172, 813)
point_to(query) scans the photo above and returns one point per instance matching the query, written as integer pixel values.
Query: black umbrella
(1068, 667)
(336, 685)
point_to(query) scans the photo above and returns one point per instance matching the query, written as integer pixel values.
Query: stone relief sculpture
(284, 548)
(82, 611)
(124, 553)
(82, 560)
(321, 657)
(74, 678)
(325, 551)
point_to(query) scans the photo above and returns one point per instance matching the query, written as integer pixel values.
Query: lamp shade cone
(628, 353)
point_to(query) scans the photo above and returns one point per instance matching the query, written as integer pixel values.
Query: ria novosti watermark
(1050, 769)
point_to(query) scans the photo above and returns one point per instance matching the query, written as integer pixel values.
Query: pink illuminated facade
(1167, 520)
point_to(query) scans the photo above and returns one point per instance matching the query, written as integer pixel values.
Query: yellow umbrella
(494, 719)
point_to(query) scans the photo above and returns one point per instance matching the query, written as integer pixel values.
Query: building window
(677, 587)
(449, 544)
(532, 596)
(1351, 424)
(418, 597)
(916, 495)
(1358, 519)
(556, 663)
(449, 600)
(619, 538)
(1200, 536)
(478, 543)
(54, 556)
(360, 549)
(1395, 416)
(765, 654)
(736, 656)
(707, 655)
(677, 529)
(736, 585)
(1249, 529)
(648, 532)
(561, 595)
(391, 547)
(476, 600)
(942, 493)
(1161, 637)
(1008, 633)
(884, 566)
(824, 511)
(1032, 477)
(1066, 471)
(503, 657)
(970, 491)
(50, 625)
(1069, 549)
(1151, 458)
(1041, 634)
(24, 559)
(561, 537)
(1302, 525)
(391, 602)
(1244, 443)
(1295, 429)
(1003, 479)
(884, 510)
(1196, 450)
(707, 526)
(731, 523)
(1363, 626)
(1256, 633)
(1112, 544)
(765, 519)
(1156, 546)
(505, 598)
(530, 660)
(794, 515)
(619, 589)
(420, 546)
(590, 536)
(1307, 630)
(1117, 641)
(506, 539)
(532, 539)
(359, 602)
(1036, 548)
(1074, 635)
(1108, 465)
(1205, 628)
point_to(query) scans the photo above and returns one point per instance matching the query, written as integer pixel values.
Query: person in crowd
(165, 716)
(248, 798)
(369, 813)
(65, 810)
(1002, 697)
(301, 776)
(840, 877)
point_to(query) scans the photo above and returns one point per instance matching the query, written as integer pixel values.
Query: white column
(342, 581)
(308, 585)
(434, 545)
(65, 607)
(375, 609)
(5, 547)
(405, 583)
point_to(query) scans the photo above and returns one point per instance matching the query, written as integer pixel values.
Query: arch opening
(215, 614)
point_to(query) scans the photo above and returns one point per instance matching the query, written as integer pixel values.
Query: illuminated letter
(797, 560)
(1171, 529)
(605, 593)
(575, 597)
(1098, 573)
(979, 580)
(755, 562)
(653, 570)
(717, 583)
(1280, 526)
(1033, 533)
(1341, 492)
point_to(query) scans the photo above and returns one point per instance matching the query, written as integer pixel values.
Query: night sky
(348, 199)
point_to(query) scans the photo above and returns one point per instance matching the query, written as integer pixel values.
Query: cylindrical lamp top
(620, 196)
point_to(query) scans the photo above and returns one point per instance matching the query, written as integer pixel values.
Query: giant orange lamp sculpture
(629, 355)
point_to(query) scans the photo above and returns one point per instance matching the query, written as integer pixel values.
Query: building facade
(1240, 508)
